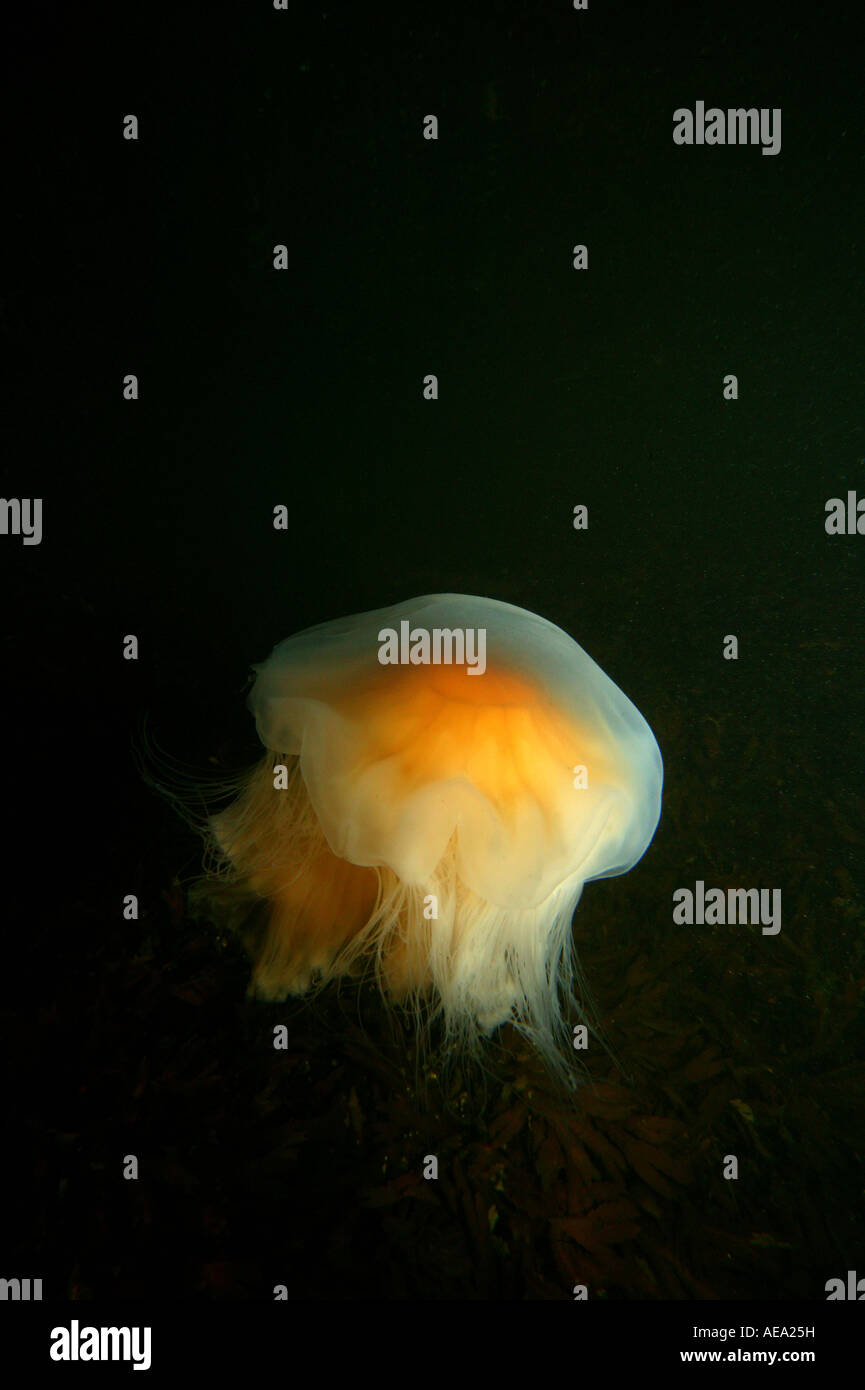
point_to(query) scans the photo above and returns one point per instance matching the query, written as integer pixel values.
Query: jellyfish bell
(441, 779)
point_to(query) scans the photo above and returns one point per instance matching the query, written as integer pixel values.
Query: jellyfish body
(441, 779)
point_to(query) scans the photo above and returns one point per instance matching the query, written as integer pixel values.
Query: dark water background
(557, 388)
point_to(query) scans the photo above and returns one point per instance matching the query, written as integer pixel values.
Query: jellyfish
(440, 780)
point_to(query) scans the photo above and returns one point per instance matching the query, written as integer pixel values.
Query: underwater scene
(432, 549)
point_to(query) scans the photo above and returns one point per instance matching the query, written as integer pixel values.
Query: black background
(556, 388)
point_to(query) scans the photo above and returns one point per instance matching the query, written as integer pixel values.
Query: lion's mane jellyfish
(441, 778)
